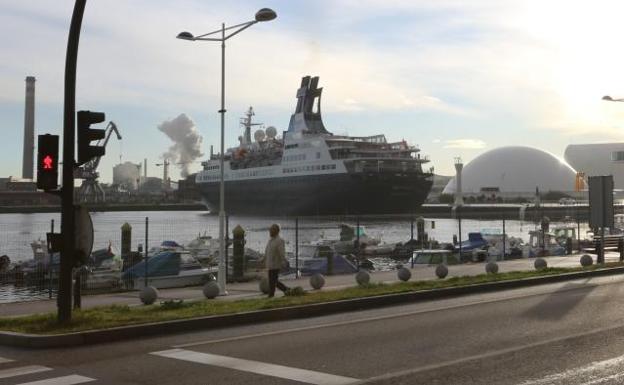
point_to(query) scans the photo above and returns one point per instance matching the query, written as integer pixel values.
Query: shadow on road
(561, 302)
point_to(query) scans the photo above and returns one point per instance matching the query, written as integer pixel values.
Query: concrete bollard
(264, 285)
(148, 295)
(211, 289)
(362, 278)
(491, 268)
(404, 274)
(441, 271)
(587, 260)
(540, 263)
(317, 281)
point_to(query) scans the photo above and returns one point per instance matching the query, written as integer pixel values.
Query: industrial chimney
(459, 198)
(144, 170)
(29, 130)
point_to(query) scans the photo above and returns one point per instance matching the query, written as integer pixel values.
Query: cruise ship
(310, 171)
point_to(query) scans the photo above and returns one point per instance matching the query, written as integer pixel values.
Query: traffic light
(86, 135)
(47, 162)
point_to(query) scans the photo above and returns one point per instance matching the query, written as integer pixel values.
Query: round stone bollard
(587, 260)
(441, 271)
(264, 285)
(317, 281)
(491, 268)
(540, 263)
(404, 274)
(211, 289)
(362, 278)
(148, 295)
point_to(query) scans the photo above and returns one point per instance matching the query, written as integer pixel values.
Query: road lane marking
(22, 370)
(606, 379)
(492, 354)
(593, 374)
(66, 380)
(295, 374)
(5, 360)
(587, 284)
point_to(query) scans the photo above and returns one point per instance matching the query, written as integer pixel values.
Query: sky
(456, 78)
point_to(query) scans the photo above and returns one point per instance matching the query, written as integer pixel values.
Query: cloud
(472, 144)
(186, 140)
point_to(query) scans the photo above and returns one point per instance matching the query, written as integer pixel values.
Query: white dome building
(515, 171)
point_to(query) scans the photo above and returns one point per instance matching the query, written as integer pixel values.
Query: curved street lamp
(610, 99)
(264, 14)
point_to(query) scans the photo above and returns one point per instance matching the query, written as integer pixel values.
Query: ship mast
(247, 124)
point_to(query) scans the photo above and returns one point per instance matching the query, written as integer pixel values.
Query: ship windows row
(250, 173)
(317, 167)
(294, 158)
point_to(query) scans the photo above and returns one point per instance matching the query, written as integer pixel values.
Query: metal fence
(353, 241)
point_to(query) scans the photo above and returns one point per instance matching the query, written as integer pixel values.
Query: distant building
(23, 192)
(188, 189)
(515, 171)
(152, 185)
(127, 175)
(598, 159)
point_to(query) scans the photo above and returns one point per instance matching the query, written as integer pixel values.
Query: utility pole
(68, 226)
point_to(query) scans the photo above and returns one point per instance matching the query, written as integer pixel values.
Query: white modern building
(515, 171)
(598, 159)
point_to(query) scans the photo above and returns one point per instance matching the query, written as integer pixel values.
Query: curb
(281, 314)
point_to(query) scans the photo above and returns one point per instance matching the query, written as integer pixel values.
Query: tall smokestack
(459, 198)
(144, 168)
(29, 130)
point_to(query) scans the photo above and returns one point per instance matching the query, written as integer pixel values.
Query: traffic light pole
(68, 226)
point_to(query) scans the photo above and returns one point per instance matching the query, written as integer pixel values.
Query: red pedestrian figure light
(47, 162)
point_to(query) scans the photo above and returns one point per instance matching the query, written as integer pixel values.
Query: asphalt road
(566, 333)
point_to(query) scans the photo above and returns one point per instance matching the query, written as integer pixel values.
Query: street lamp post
(610, 99)
(265, 14)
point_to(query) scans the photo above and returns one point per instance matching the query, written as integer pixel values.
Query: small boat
(433, 257)
(474, 242)
(322, 259)
(542, 244)
(167, 269)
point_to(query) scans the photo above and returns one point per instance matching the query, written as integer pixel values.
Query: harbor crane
(90, 190)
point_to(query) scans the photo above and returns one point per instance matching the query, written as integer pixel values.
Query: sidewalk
(251, 290)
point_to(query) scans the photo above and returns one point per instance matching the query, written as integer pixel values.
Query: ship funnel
(459, 198)
(307, 117)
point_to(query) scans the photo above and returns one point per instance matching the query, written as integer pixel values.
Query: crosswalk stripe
(66, 380)
(301, 375)
(5, 360)
(22, 370)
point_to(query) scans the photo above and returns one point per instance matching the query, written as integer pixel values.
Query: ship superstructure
(310, 171)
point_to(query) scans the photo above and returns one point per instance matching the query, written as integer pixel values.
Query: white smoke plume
(186, 142)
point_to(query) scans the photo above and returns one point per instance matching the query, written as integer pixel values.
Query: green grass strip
(116, 315)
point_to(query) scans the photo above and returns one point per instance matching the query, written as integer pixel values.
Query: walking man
(275, 258)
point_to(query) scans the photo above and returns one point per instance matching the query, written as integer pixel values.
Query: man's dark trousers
(274, 281)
